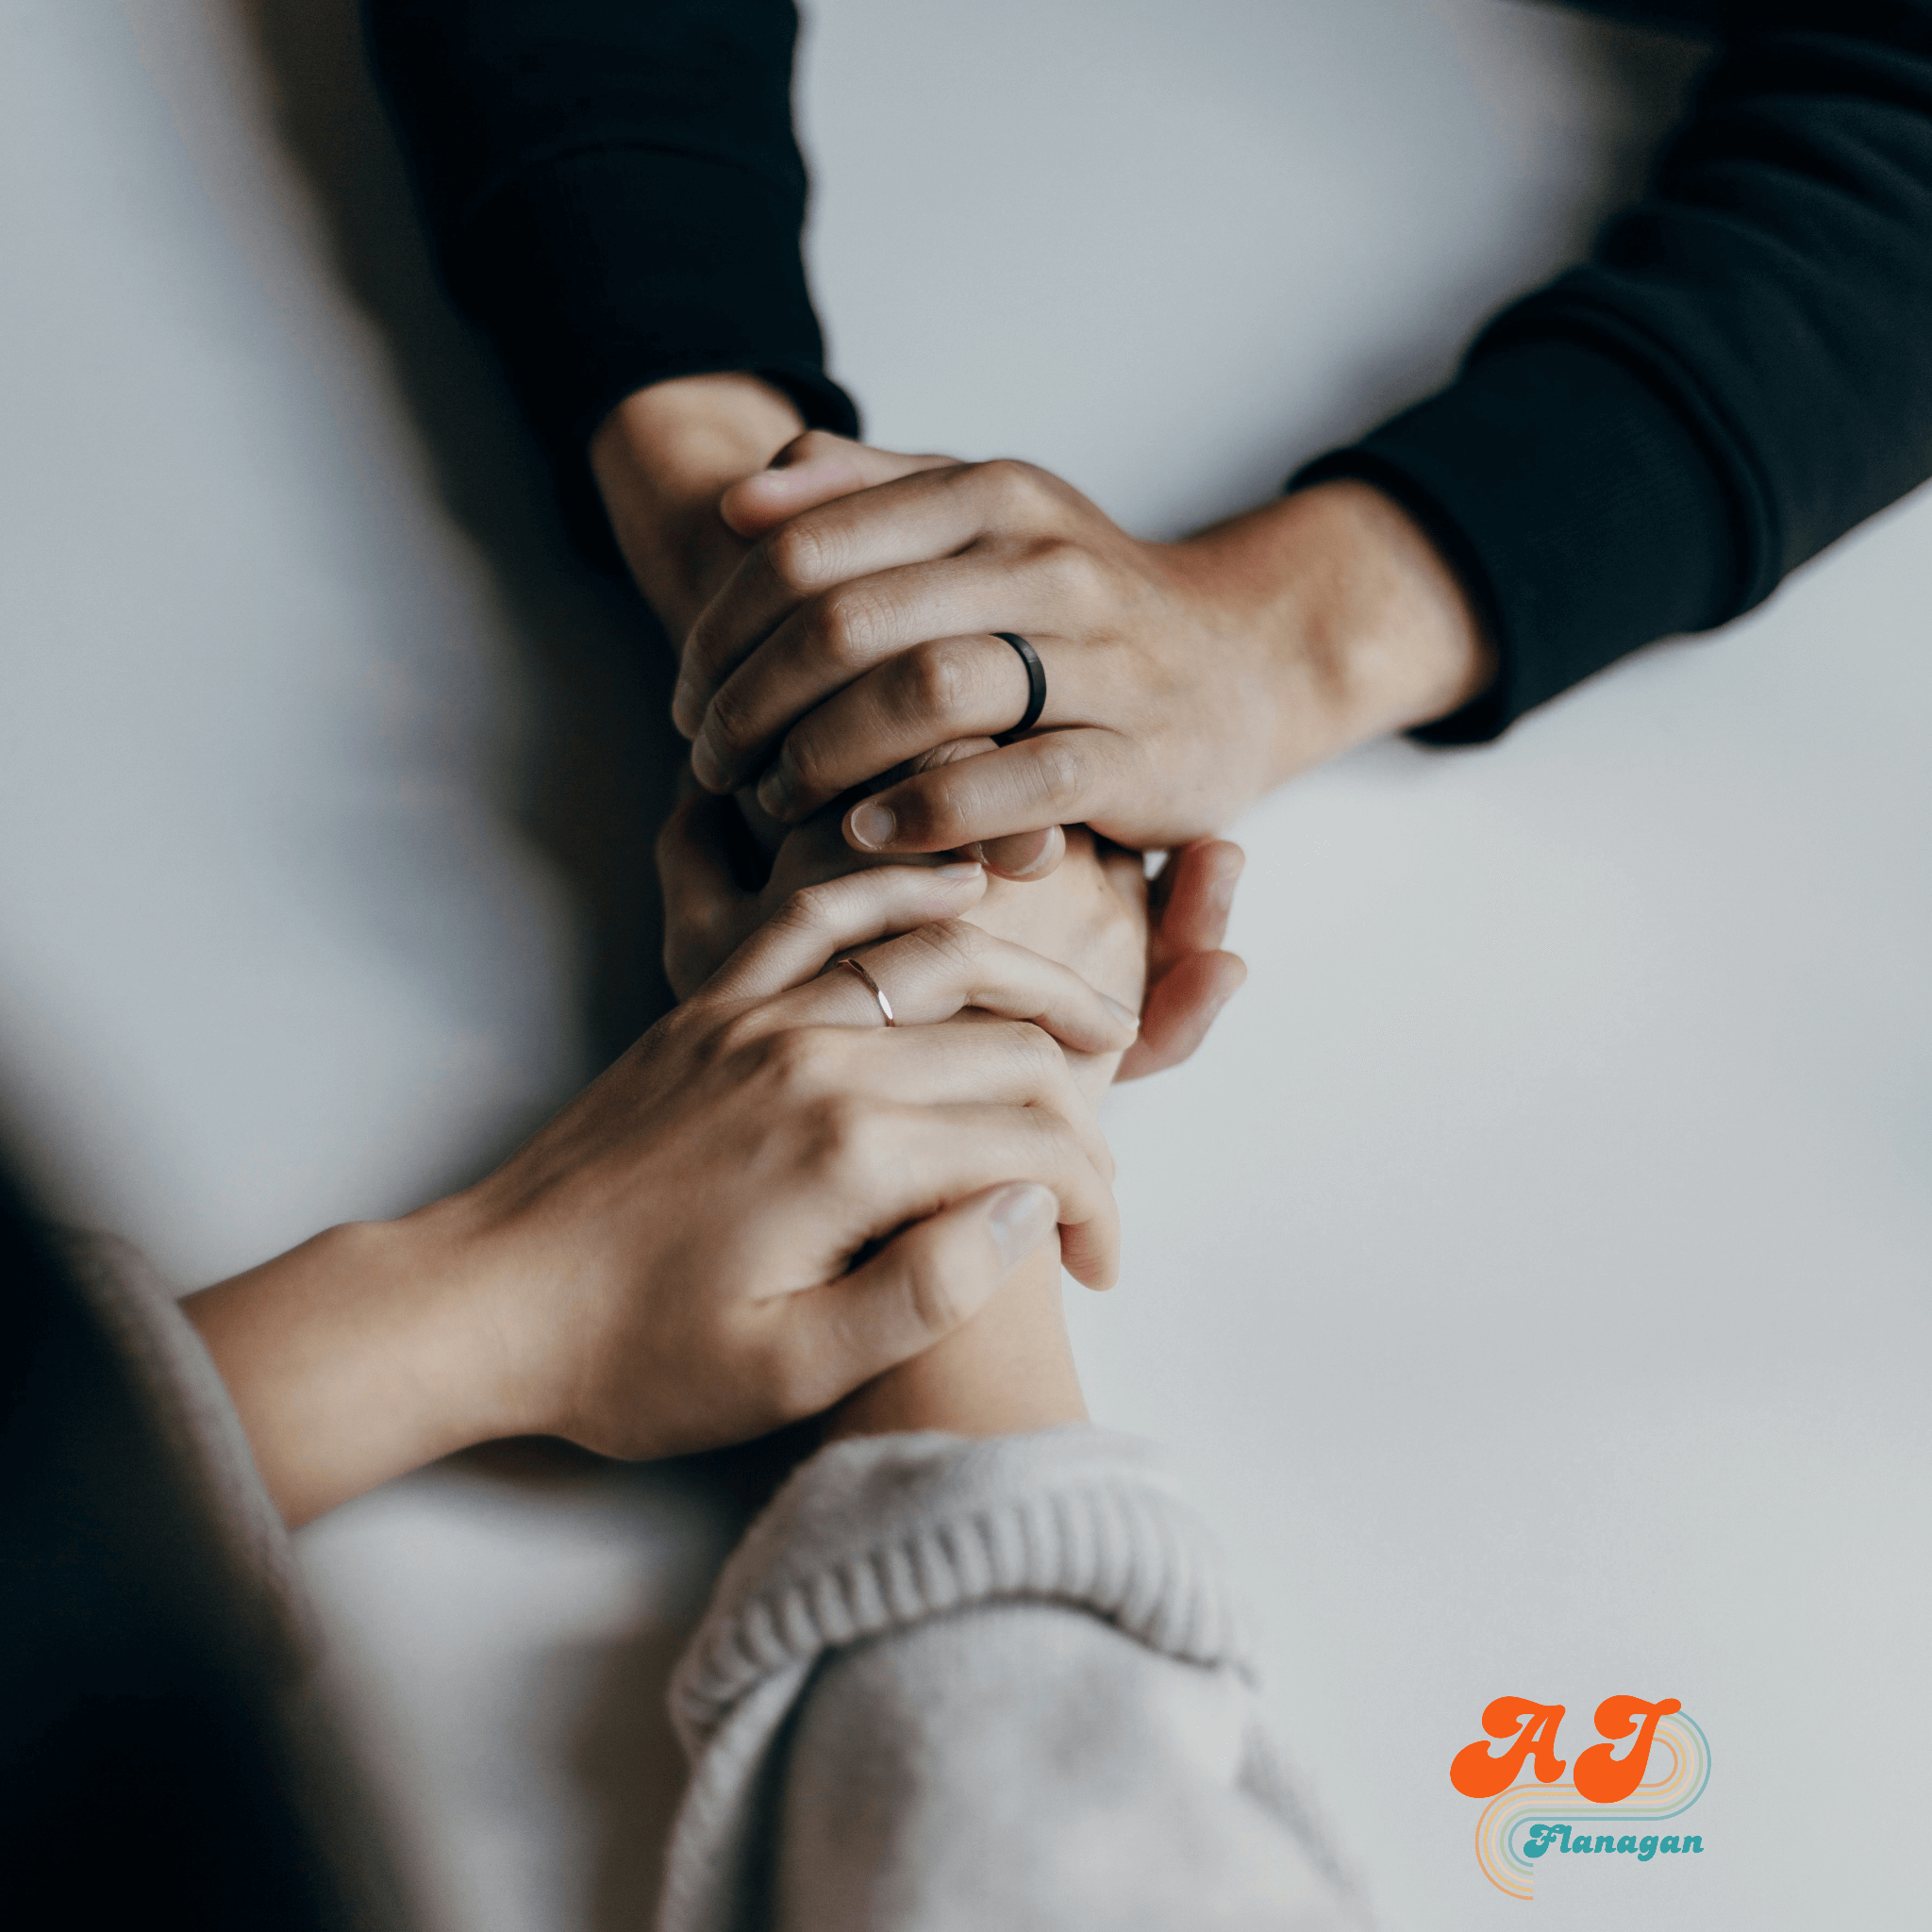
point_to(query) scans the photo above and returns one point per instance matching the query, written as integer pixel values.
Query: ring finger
(845, 631)
(938, 970)
(950, 687)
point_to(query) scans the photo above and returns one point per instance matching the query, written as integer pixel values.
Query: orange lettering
(1602, 1776)
(1478, 1773)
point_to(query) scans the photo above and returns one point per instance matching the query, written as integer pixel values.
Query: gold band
(878, 991)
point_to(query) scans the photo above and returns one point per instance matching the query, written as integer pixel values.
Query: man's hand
(1183, 680)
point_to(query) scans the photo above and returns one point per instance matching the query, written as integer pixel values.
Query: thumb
(810, 470)
(1179, 1008)
(929, 1280)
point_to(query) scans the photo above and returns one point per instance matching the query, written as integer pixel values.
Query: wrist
(662, 458)
(1364, 627)
(1009, 1371)
(360, 1355)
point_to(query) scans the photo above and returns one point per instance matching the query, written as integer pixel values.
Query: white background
(1531, 1275)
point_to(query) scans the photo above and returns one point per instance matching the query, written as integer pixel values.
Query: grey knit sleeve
(948, 1684)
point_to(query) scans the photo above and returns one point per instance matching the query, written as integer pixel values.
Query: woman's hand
(1183, 679)
(1158, 949)
(665, 457)
(768, 1201)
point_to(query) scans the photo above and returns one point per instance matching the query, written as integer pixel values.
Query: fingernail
(777, 794)
(1220, 894)
(1126, 1015)
(1020, 868)
(873, 825)
(685, 711)
(1019, 1218)
(959, 870)
(705, 766)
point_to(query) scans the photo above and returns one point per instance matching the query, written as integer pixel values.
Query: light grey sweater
(947, 1684)
(941, 1685)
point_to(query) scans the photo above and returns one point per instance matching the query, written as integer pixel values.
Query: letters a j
(1602, 1778)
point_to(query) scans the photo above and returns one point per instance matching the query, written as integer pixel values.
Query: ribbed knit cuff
(1575, 503)
(878, 1533)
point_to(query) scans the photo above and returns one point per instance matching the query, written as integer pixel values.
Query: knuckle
(802, 1061)
(849, 623)
(740, 1042)
(843, 1137)
(798, 555)
(806, 913)
(1018, 486)
(1057, 771)
(936, 679)
(812, 756)
(1072, 574)
(957, 946)
(727, 716)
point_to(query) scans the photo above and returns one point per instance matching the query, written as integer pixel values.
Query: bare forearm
(1364, 627)
(363, 1354)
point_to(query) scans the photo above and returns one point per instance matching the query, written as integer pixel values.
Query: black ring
(1035, 686)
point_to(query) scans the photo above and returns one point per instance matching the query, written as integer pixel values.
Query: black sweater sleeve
(1741, 372)
(613, 191)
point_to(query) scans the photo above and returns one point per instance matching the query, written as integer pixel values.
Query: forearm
(363, 1354)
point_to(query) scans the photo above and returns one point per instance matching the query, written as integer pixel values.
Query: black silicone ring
(1035, 686)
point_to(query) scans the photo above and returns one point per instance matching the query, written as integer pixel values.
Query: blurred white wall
(1531, 1275)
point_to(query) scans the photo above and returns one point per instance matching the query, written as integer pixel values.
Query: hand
(765, 1203)
(1161, 950)
(665, 457)
(1183, 679)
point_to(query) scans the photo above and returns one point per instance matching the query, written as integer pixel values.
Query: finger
(940, 968)
(1181, 1006)
(974, 1061)
(1057, 778)
(940, 1154)
(861, 621)
(928, 1281)
(815, 468)
(1195, 895)
(817, 921)
(931, 694)
(914, 520)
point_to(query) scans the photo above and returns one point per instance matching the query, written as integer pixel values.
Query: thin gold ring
(878, 991)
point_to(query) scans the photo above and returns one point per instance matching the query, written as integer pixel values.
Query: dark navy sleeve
(1740, 373)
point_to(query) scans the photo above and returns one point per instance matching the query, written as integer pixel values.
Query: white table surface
(1531, 1275)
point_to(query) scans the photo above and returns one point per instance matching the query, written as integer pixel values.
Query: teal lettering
(1669, 1844)
(1605, 1842)
(1626, 1844)
(1541, 1836)
(1647, 1849)
(1694, 1845)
